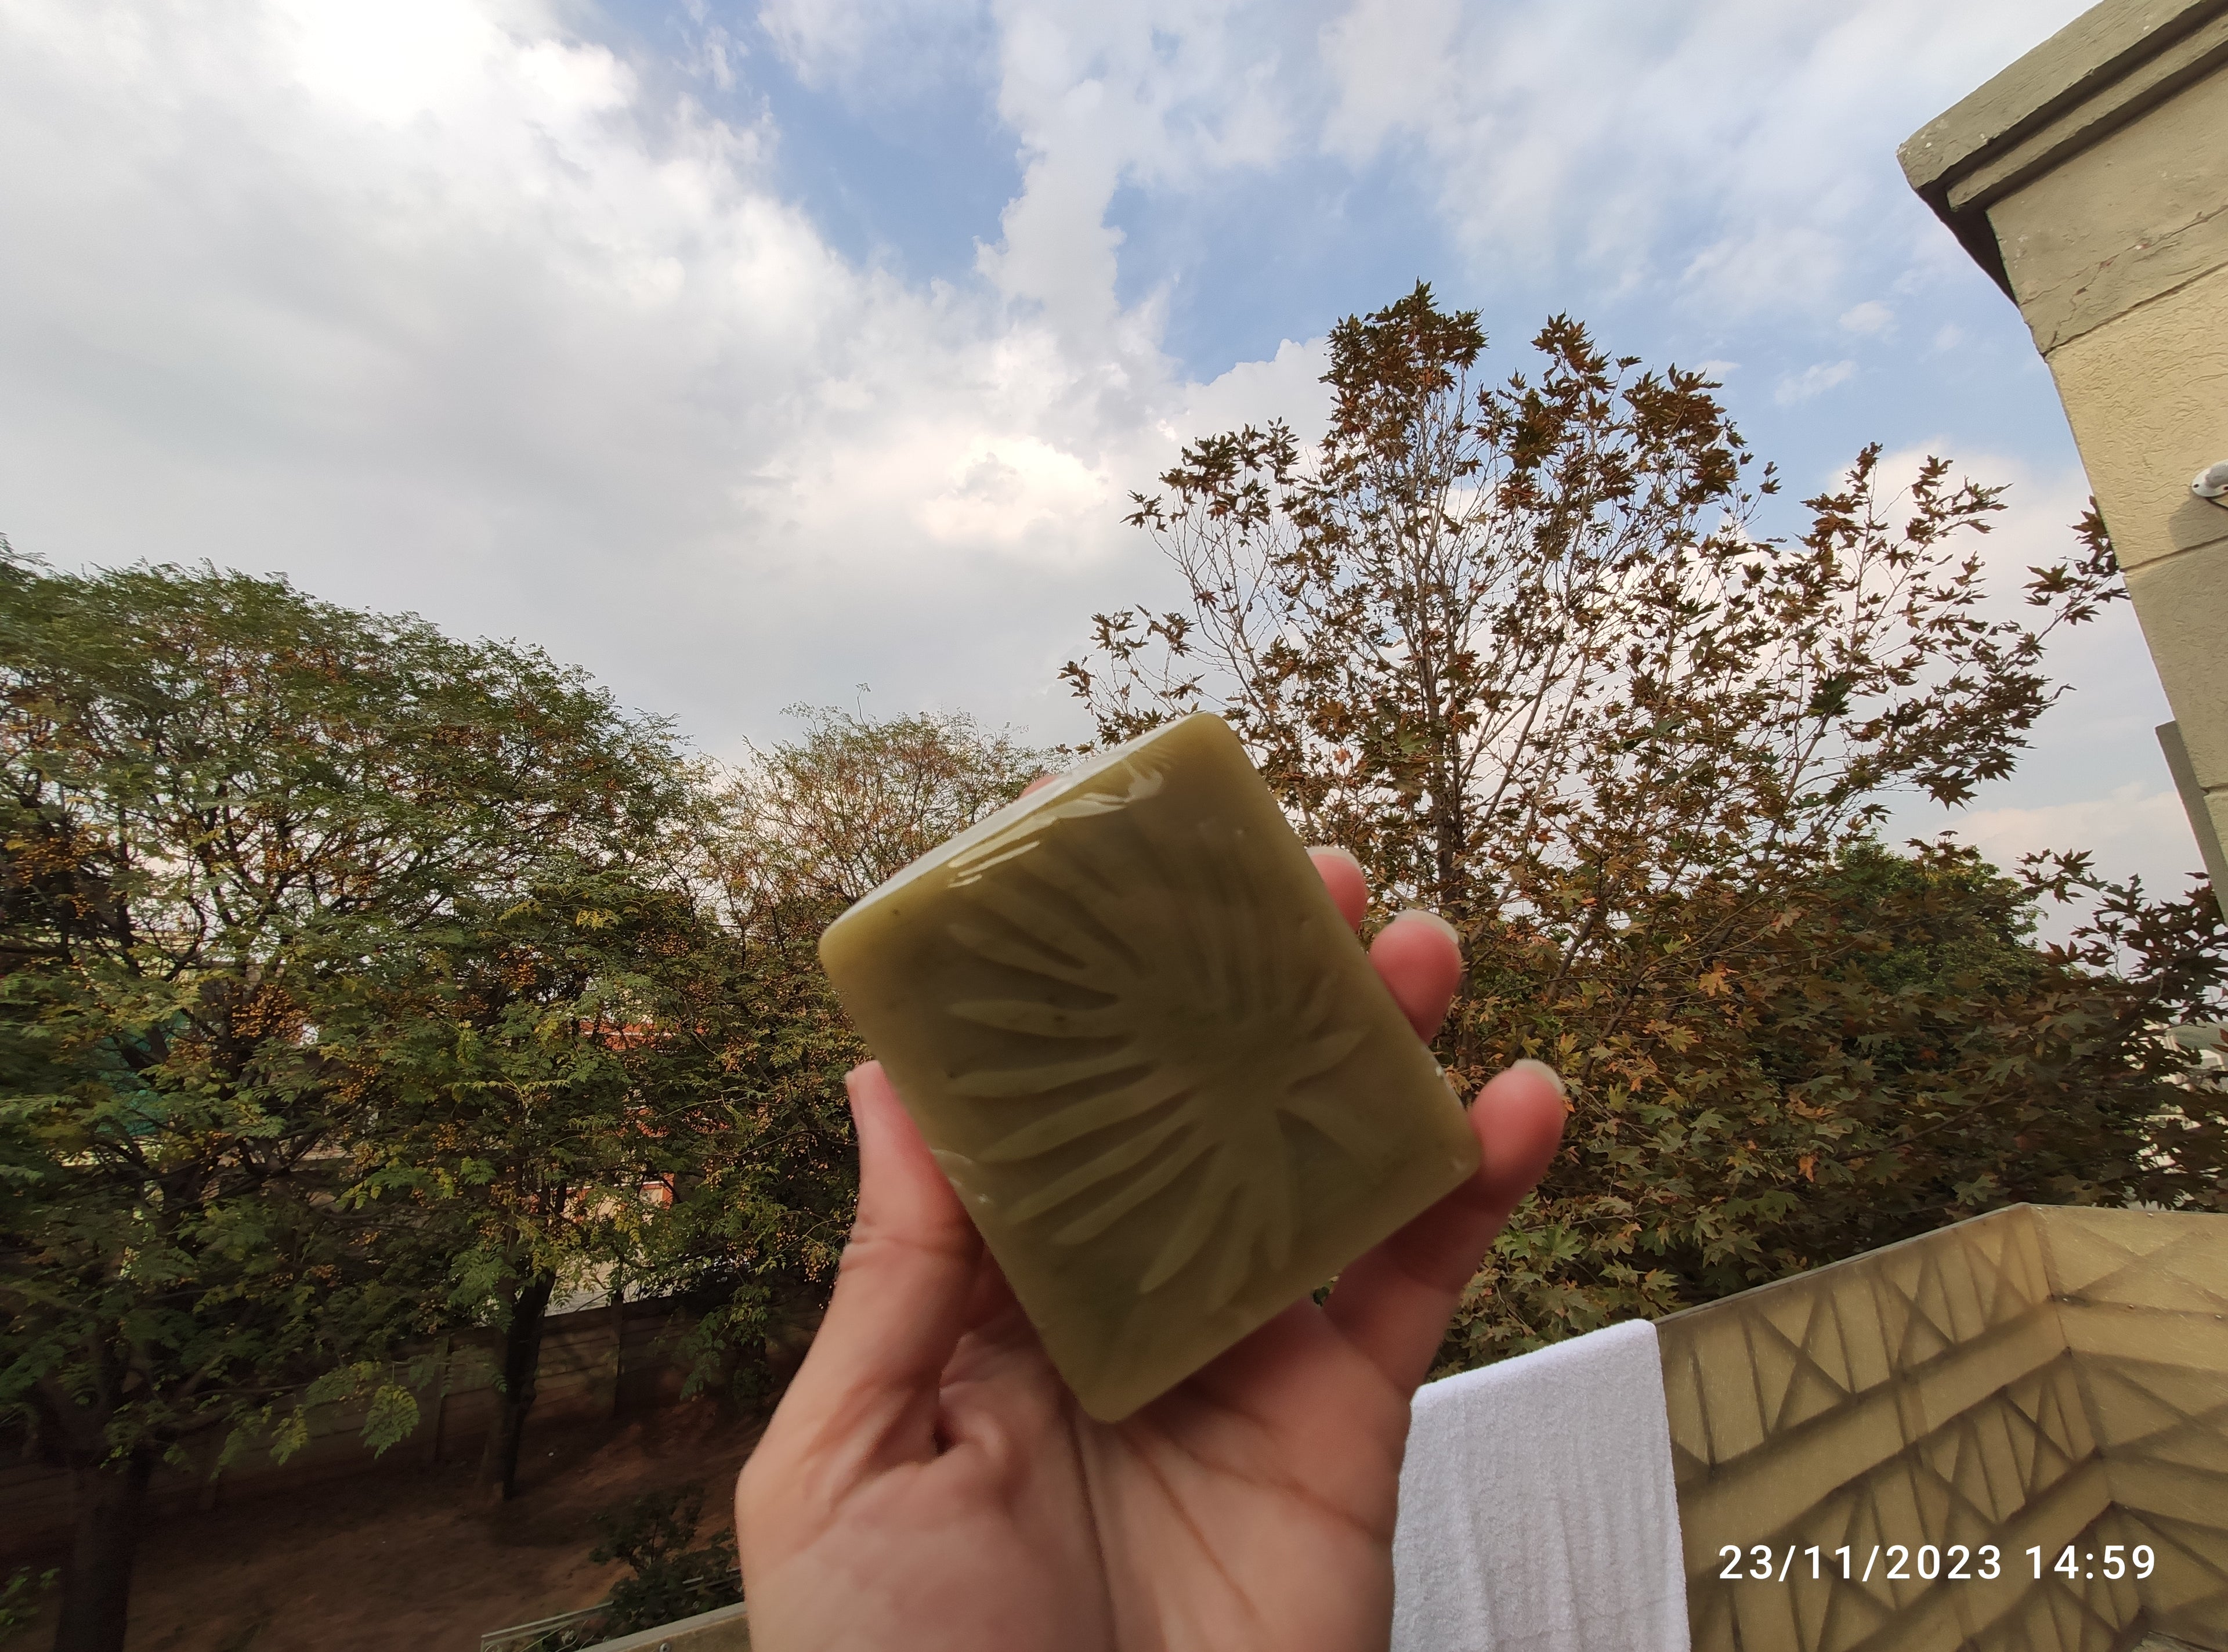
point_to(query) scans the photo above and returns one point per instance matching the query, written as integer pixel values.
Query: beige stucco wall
(2148, 396)
(2134, 213)
(2111, 219)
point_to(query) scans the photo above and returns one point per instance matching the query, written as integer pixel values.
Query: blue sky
(746, 354)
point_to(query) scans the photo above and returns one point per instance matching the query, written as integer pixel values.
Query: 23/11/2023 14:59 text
(1956, 1563)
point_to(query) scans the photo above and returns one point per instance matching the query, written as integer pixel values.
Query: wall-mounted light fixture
(2211, 485)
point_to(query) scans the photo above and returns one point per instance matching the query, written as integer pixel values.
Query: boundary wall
(596, 1364)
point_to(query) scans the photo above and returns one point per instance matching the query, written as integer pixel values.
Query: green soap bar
(1152, 1057)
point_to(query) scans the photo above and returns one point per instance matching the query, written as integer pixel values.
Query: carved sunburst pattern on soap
(1202, 958)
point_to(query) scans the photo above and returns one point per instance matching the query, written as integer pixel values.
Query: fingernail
(1347, 855)
(1528, 1064)
(1429, 916)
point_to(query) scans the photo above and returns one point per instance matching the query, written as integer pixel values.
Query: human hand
(928, 1482)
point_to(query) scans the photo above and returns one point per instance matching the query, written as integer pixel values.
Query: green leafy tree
(522, 1061)
(1524, 647)
(224, 803)
(803, 829)
(19, 1596)
(669, 1575)
(811, 825)
(1898, 1053)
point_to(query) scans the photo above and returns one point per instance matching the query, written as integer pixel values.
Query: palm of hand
(928, 1482)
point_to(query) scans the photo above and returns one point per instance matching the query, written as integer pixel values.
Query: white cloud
(1001, 488)
(822, 40)
(1871, 319)
(1814, 381)
(1148, 93)
(1764, 267)
(879, 47)
(1745, 143)
(440, 307)
(1390, 60)
(2133, 829)
(444, 305)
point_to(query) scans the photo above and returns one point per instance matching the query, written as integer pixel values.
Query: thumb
(868, 1390)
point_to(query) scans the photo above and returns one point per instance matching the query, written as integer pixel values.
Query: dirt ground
(407, 1557)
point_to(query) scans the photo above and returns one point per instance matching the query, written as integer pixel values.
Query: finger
(1393, 1302)
(902, 1292)
(1420, 959)
(1348, 884)
(1418, 953)
(1038, 784)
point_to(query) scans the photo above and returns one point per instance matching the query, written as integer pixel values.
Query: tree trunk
(522, 1362)
(106, 1500)
(619, 1340)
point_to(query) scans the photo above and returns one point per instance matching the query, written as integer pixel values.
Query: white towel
(1537, 1509)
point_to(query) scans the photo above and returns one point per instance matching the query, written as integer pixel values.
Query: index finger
(1348, 884)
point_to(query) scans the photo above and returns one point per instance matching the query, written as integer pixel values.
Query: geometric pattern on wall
(2033, 1378)
(2142, 1299)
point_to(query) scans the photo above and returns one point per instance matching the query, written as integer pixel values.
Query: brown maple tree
(1527, 648)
